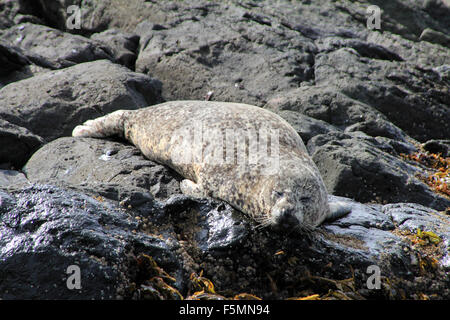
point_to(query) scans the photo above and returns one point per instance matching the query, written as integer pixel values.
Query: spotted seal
(245, 155)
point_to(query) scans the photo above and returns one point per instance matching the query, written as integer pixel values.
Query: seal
(242, 154)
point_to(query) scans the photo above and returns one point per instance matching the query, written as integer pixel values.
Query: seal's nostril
(287, 218)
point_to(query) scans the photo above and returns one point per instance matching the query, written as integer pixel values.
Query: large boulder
(18, 144)
(232, 56)
(123, 46)
(411, 98)
(53, 48)
(46, 232)
(53, 103)
(366, 169)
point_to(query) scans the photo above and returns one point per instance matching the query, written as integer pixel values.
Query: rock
(396, 17)
(18, 144)
(100, 15)
(443, 72)
(368, 169)
(411, 98)
(365, 49)
(105, 168)
(378, 127)
(438, 147)
(223, 242)
(305, 126)
(15, 65)
(123, 45)
(12, 179)
(329, 105)
(438, 11)
(49, 47)
(424, 54)
(271, 58)
(14, 12)
(413, 216)
(45, 230)
(11, 59)
(53, 103)
(434, 36)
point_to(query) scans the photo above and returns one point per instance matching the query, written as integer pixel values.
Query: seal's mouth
(285, 216)
(287, 221)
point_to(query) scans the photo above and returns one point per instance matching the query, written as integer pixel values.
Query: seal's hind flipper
(338, 209)
(110, 125)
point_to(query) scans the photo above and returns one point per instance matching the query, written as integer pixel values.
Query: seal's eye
(278, 193)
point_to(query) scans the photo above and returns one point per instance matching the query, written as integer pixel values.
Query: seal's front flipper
(338, 209)
(190, 188)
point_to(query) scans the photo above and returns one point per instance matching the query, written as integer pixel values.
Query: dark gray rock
(443, 72)
(45, 230)
(412, 98)
(329, 105)
(101, 15)
(441, 147)
(18, 144)
(123, 45)
(423, 53)
(11, 59)
(404, 18)
(53, 103)
(412, 217)
(270, 58)
(305, 126)
(368, 169)
(434, 36)
(49, 47)
(103, 167)
(15, 65)
(17, 11)
(409, 216)
(365, 49)
(12, 179)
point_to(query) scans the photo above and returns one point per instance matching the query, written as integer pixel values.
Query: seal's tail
(338, 209)
(110, 125)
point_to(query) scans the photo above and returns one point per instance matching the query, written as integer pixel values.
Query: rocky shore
(371, 105)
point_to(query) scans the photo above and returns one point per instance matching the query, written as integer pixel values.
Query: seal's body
(242, 154)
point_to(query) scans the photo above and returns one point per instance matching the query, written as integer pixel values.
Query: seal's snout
(286, 218)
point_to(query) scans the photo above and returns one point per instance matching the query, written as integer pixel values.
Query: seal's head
(301, 204)
(284, 215)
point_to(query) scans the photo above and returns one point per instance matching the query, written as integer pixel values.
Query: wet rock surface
(371, 106)
(45, 230)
